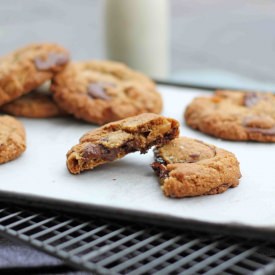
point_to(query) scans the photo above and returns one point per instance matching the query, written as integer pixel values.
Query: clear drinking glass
(137, 33)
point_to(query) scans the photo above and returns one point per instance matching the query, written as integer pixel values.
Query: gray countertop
(212, 42)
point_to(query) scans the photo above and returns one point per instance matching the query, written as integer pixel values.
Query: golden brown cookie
(36, 104)
(189, 167)
(27, 68)
(12, 138)
(234, 115)
(114, 140)
(102, 91)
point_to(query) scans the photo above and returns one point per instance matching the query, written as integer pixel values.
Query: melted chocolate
(53, 59)
(160, 169)
(91, 151)
(266, 132)
(251, 99)
(130, 146)
(159, 166)
(99, 151)
(96, 151)
(97, 90)
(194, 157)
(109, 154)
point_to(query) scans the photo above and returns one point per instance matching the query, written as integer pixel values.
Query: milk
(136, 33)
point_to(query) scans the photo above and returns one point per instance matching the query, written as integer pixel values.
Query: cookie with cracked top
(188, 167)
(114, 140)
(27, 68)
(12, 138)
(37, 104)
(102, 91)
(234, 115)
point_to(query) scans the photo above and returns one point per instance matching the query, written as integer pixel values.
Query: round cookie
(102, 91)
(234, 115)
(27, 68)
(12, 138)
(189, 167)
(37, 104)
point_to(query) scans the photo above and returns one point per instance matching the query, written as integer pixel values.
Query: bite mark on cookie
(115, 140)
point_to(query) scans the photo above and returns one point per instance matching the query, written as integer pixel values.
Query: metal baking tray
(129, 189)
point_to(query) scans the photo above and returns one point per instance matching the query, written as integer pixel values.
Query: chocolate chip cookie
(27, 68)
(12, 138)
(102, 91)
(188, 167)
(36, 104)
(114, 140)
(234, 115)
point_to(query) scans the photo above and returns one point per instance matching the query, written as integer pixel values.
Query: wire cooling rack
(106, 246)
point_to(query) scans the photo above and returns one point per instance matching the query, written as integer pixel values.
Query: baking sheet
(129, 186)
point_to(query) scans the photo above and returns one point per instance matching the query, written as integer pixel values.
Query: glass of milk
(137, 33)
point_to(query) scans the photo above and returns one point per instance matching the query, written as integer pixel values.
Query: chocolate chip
(159, 166)
(251, 99)
(91, 151)
(265, 132)
(97, 91)
(96, 151)
(105, 139)
(109, 154)
(146, 133)
(53, 59)
(194, 157)
(160, 170)
(130, 146)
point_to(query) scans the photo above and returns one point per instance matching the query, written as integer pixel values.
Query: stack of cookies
(40, 81)
(22, 71)
(95, 91)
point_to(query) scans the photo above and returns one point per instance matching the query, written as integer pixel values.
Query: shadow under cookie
(34, 105)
